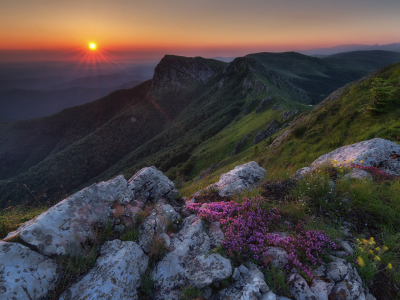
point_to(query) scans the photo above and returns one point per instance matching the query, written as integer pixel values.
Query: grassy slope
(332, 124)
(319, 77)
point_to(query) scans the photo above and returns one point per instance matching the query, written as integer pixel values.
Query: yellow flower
(389, 266)
(360, 261)
(377, 248)
(370, 251)
(385, 248)
(361, 161)
(377, 258)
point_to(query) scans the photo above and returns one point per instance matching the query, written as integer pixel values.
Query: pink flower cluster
(376, 173)
(248, 226)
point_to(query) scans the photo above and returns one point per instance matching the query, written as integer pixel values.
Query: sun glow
(92, 46)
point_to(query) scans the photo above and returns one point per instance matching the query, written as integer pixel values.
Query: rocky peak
(177, 72)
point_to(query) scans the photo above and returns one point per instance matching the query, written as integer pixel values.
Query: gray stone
(359, 174)
(25, 274)
(299, 288)
(249, 286)
(116, 275)
(269, 296)
(377, 152)
(301, 173)
(189, 263)
(346, 246)
(277, 256)
(149, 184)
(215, 233)
(272, 127)
(156, 225)
(321, 289)
(62, 228)
(236, 274)
(240, 178)
(243, 269)
(289, 114)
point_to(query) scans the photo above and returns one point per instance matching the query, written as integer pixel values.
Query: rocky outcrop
(267, 100)
(62, 228)
(249, 283)
(175, 73)
(238, 144)
(156, 225)
(116, 274)
(240, 178)
(289, 114)
(248, 106)
(150, 184)
(188, 263)
(277, 107)
(379, 153)
(26, 274)
(271, 129)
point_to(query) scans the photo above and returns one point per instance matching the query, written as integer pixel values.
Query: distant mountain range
(350, 47)
(33, 90)
(189, 116)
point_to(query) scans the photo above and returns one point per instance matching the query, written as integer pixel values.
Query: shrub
(248, 228)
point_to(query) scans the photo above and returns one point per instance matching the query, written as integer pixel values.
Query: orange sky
(220, 27)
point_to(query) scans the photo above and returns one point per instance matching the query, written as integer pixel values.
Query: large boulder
(377, 152)
(62, 228)
(25, 274)
(149, 184)
(188, 262)
(240, 178)
(116, 275)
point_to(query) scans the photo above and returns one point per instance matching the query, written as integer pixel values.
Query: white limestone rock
(187, 264)
(301, 173)
(150, 184)
(277, 256)
(25, 274)
(216, 235)
(240, 178)
(62, 228)
(156, 224)
(377, 152)
(299, 288)
(249, 286)
(116, 274)
(359, 174)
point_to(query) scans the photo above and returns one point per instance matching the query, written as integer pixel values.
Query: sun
(92, 46)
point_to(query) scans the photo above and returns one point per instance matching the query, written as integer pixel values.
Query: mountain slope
(320, 76)
(159, 122)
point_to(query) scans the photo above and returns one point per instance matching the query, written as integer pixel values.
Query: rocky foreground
(28, 269)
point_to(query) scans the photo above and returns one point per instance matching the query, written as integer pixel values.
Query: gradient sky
(192, 27)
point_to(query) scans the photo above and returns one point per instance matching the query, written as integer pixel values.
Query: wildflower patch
(249, 232)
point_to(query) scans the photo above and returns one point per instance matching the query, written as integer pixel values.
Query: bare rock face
(25, 274)
(149, 184)
(377, 152)
(116, 274)
(174, 73)
(271, 129)
(187, 263)
(250, 285)
(156, 224)
(239, 179)
(289, 114)
(301, 173)
(62, 228)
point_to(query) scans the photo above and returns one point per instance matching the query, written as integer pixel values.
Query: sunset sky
(140, 29)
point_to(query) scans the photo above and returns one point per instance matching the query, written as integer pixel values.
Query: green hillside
(188, 118)
(320, 76)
